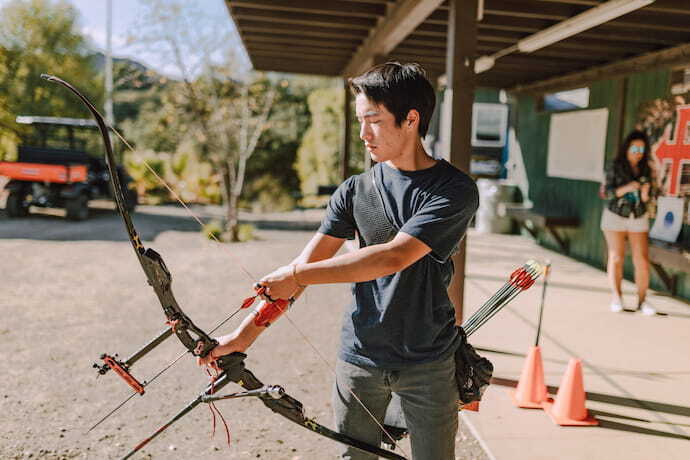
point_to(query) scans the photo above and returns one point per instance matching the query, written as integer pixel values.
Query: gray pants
(428, 396)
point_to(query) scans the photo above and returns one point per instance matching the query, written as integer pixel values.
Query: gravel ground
(71, 291)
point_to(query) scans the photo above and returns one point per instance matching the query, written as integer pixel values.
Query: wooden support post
(460, 54)
(347, 133)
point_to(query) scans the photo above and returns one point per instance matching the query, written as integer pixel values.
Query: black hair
(399, 88)
(622, 157)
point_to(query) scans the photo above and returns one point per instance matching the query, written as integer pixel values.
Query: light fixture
(483, 64)
(583, 21)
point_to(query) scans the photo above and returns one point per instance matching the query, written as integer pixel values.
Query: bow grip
(232, 365)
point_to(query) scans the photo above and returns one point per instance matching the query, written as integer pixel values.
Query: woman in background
(628, 188)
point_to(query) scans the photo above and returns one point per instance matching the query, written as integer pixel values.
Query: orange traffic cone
(473, 406)
(569, 408)
(531, 391)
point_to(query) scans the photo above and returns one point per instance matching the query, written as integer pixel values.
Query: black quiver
(472, 372)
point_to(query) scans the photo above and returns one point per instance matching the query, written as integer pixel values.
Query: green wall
(576, 197)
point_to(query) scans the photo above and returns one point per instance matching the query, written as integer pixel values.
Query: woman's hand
(644, 191)
(632, 186)
(627, 188)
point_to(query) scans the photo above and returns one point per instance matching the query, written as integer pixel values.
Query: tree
(318, 156)
(226, 111)
(41, 36)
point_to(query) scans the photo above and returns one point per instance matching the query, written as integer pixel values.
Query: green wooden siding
(576, 197)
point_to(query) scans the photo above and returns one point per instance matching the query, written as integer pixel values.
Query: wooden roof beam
(309, 19)
(400, 21)
(662, 6)
(678, 55)
(297, 60)
(288, 66)
(291, 40)
(324, 32)
(333, 7)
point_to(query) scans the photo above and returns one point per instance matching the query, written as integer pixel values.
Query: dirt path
(70, 291)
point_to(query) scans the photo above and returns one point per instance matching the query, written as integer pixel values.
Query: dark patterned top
(630, 203)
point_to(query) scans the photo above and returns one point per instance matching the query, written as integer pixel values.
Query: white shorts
(613, 222)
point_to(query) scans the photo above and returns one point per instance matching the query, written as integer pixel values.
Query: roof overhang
(344, 37)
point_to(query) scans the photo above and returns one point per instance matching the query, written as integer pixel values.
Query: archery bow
(195, 340)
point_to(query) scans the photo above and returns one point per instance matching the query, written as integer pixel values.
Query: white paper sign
(577, 144)
(669, 219)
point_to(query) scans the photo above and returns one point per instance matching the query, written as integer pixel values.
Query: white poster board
(577, 143)
(669, 218)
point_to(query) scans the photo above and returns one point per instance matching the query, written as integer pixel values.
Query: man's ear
(412, 118)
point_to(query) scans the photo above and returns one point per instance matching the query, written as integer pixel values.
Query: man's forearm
(456, 287)
(242, 337)
(363, 264)
(247, 332)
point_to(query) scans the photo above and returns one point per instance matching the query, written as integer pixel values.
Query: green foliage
(213, 230)
(245, 232)
(144, 166)
(192, 179)
(276, 152)
(8, 146)
(318, 157)
(151, 118)
(158, 116)
(189, 178)
(266, 194)
(41, 36)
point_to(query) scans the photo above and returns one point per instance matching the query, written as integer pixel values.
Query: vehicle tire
(16, 204)
(77, 208)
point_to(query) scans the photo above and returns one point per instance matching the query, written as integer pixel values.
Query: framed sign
(577, 145)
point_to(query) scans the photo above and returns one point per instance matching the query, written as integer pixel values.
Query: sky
(125, 14)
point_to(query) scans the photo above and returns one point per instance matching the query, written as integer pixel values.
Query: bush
(245, 232)
(265, 194)
(215, 230)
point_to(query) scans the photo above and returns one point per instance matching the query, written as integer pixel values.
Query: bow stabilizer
(273, 397)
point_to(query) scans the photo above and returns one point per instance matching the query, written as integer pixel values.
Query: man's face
(383, 138)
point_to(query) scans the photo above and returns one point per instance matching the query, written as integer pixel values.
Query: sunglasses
(636, 149)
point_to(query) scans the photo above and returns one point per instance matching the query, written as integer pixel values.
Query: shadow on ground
(102, 224)
(105, 224)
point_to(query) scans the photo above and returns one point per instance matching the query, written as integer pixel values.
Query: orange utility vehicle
(59, 177)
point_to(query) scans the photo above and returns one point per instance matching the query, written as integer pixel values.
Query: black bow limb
(234, 370)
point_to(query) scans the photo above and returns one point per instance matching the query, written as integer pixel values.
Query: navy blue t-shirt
(406, 318)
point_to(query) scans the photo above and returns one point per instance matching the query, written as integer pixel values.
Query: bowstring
(253, 280)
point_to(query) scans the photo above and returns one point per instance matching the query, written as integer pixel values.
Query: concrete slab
(636, 368)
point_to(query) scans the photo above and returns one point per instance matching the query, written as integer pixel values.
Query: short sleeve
(339, 221)
(442, 221)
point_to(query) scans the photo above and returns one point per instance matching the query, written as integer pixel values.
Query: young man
(409, 212)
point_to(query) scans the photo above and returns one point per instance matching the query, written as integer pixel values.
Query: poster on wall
(669, 219)
(667, 123)
(577, 144)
